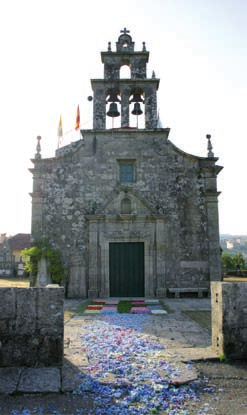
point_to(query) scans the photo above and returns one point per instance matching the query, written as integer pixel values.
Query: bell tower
(116, 97)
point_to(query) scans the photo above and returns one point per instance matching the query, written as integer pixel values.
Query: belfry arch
(125, 72)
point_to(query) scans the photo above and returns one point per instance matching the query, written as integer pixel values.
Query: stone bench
(198, 290)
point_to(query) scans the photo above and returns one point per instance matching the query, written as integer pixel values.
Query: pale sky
(50, 50)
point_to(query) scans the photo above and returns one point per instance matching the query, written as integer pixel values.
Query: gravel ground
(222, 388)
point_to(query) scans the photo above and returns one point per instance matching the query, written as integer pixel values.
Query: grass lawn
(203, 318)
(68, 314)
(14, 282)
(235, 279)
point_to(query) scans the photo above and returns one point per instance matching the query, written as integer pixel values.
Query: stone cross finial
(210, 147)
(124, 31)
(38, 148)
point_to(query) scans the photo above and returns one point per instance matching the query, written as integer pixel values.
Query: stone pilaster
(93, 259)
(213, 237)
(77, 287)
(160, 258)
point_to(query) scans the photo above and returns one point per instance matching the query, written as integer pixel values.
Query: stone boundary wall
(31, 327)
(229, 319)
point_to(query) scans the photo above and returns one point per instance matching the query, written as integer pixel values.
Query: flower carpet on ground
(126, 372)
(137, 306)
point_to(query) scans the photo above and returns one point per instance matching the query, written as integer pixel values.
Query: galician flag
(77, 122)
(60, 127)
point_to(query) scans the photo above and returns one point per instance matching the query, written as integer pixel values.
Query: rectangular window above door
(127, 172)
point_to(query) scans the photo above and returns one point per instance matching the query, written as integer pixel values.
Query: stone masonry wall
(229, 319)
(174, 185)
(31, 327)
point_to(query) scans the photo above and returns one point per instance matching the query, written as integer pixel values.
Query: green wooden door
(126, 269)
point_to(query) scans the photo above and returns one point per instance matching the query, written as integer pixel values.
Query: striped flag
(60, 127)
(77, 122)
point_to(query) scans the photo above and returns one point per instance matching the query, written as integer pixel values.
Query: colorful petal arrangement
(140, 310)
(138, 306)
(126, 373)
(94, 307)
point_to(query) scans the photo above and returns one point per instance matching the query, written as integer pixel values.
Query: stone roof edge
(125, 130)
(192, 156)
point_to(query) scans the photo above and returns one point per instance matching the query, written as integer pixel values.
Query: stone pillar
(43, 277)
(229, 319)
(37, 199)
(124, 107)
(150, 108)
(99, 109)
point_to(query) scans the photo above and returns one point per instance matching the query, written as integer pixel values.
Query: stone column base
(93, 294)
(161, 292)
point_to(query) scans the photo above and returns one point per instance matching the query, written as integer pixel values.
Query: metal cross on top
(124, 31)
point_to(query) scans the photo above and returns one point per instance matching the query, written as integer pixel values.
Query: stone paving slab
(189, 354)
(33, 380)
(9, 379)
(191, 304)
(47, 379)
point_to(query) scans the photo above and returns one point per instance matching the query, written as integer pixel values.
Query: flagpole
(59, 131)
(78, 120)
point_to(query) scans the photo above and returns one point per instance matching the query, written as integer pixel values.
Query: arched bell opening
(113, 109)
(125, 72)
(137, 109)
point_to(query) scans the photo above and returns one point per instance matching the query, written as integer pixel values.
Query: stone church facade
(131, 214)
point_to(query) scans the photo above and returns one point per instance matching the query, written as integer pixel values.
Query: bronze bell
(113, 110)
(137, 109)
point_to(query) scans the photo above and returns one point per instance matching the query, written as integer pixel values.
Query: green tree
(238, 259)
(227, 261)
(32, 255)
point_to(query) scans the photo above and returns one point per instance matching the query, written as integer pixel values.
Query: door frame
(103, 229)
